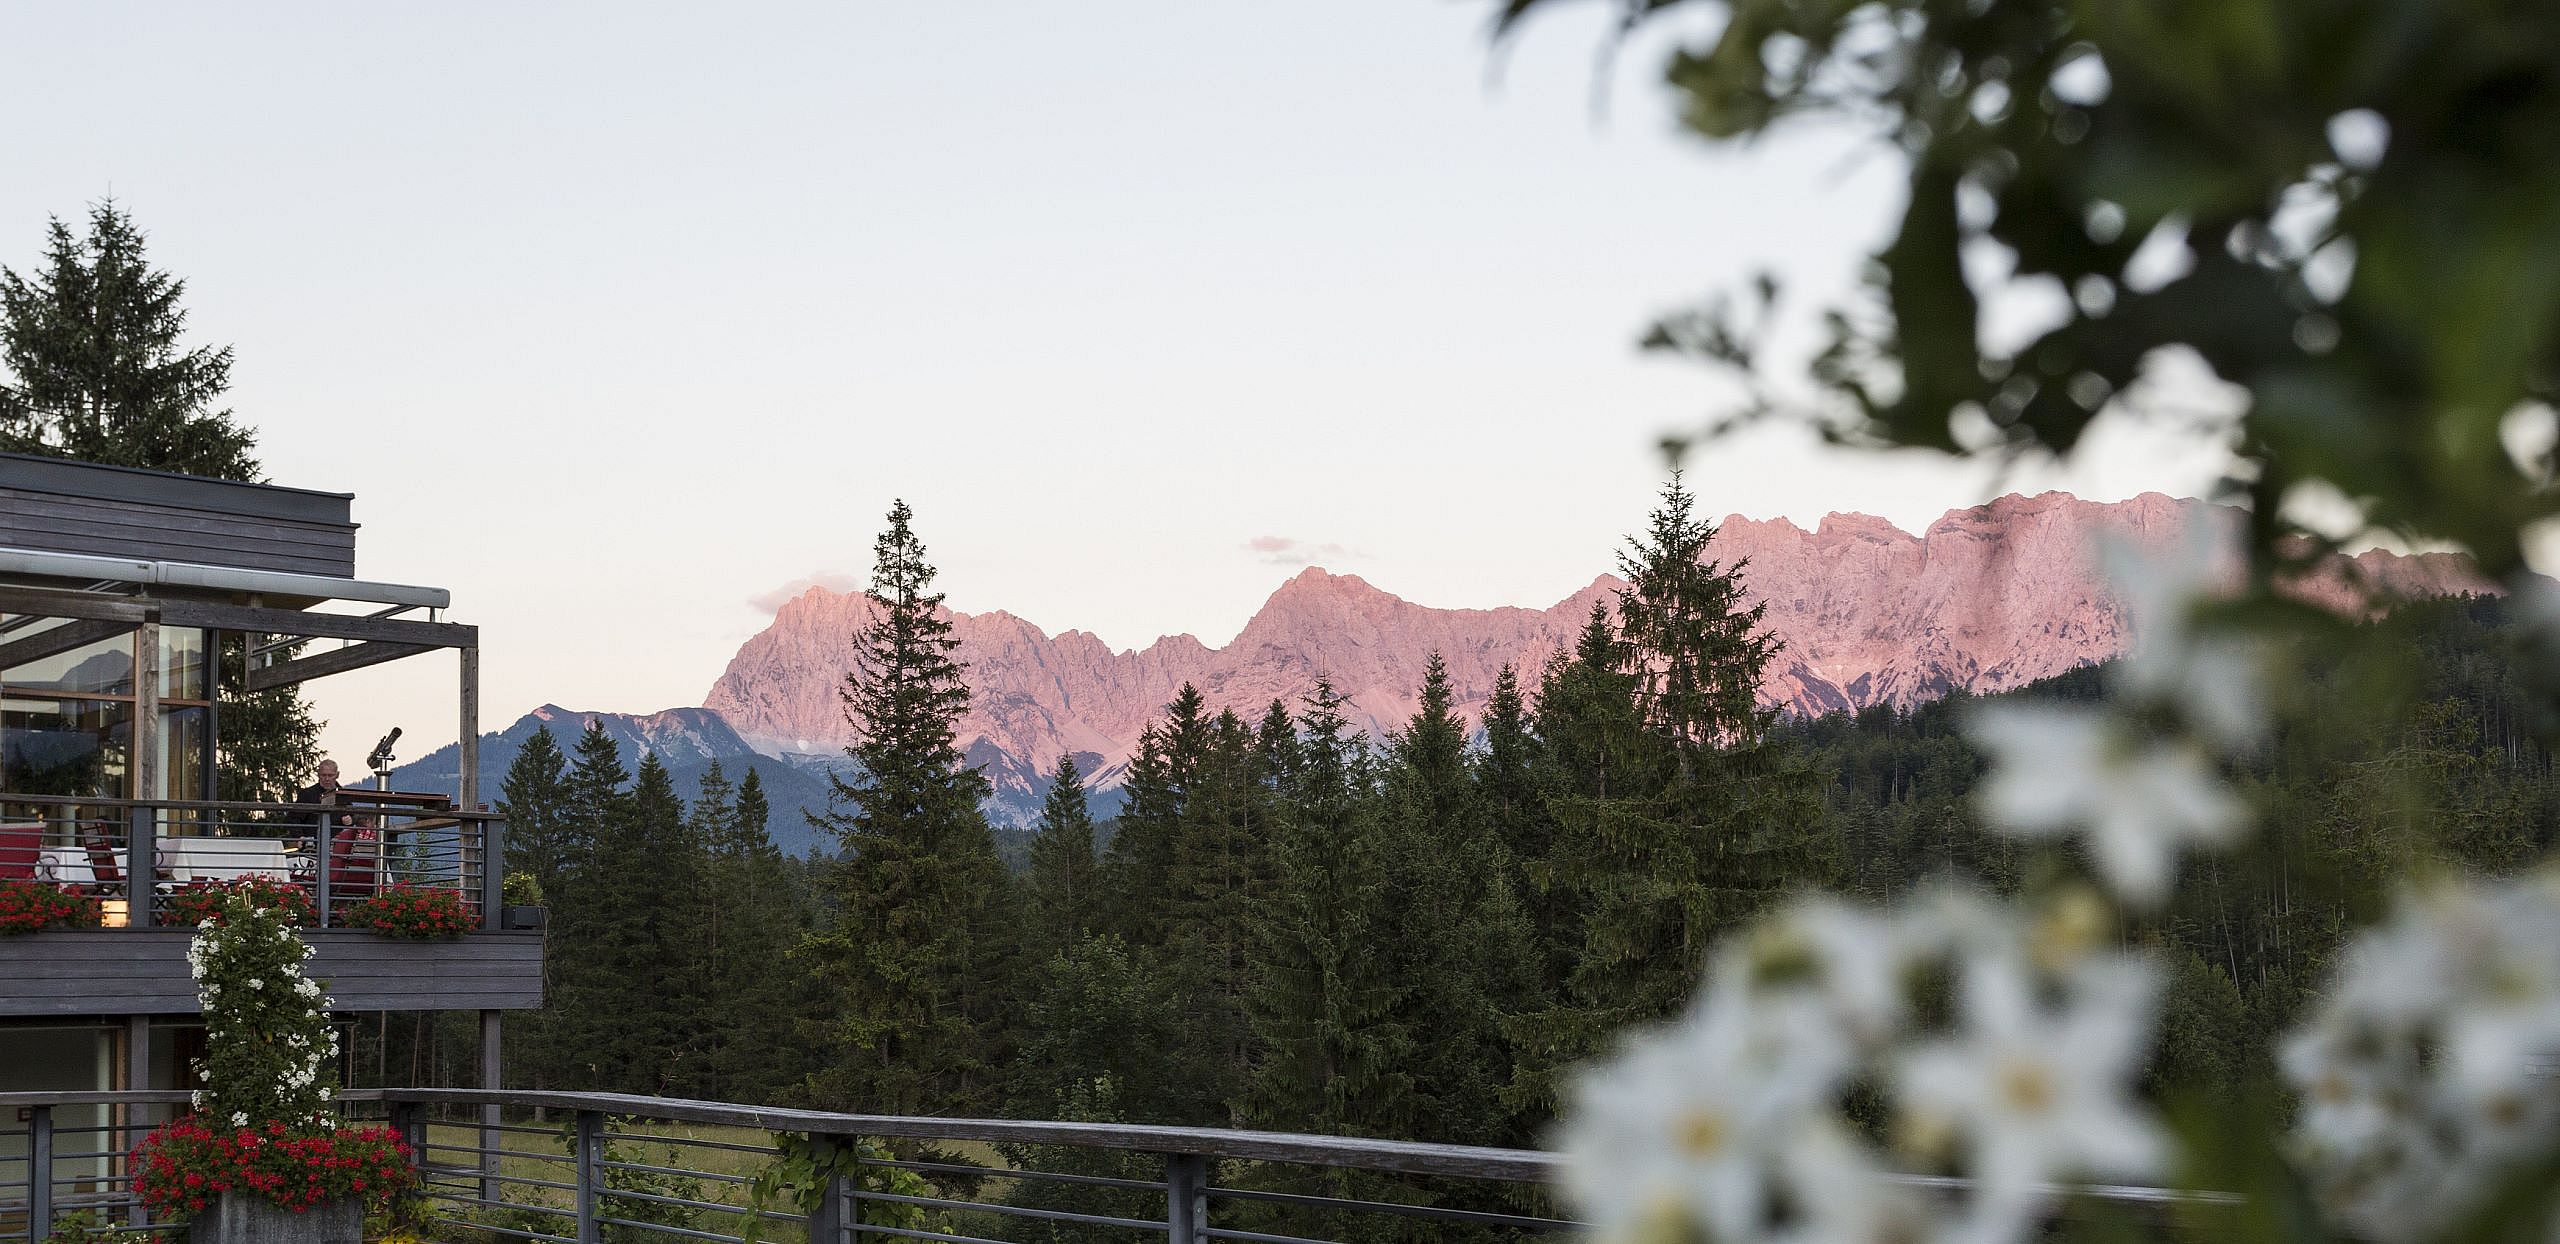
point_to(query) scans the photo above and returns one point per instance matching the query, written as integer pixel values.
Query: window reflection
(182, 663)
(65, 747)
(104, 667)
(182, 748)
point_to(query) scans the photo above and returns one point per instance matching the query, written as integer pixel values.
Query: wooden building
(119, 591)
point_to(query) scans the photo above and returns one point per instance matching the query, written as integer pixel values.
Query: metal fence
(607, 1168)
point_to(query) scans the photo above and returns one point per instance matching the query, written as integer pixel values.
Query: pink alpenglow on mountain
(1987, 599)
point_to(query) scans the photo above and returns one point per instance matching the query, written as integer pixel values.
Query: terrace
(121, 591)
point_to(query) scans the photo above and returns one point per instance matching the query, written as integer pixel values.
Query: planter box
(240, 1218)
(523, 917)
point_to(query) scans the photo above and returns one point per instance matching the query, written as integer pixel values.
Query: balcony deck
(86, 972)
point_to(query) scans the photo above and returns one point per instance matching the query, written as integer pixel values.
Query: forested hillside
(1295, 926)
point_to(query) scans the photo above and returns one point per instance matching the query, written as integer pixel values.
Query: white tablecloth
(187, 859)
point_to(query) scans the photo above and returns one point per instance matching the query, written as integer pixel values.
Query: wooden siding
(55, 506)
(83, 972)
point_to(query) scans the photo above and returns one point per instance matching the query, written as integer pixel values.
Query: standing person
(324, 791)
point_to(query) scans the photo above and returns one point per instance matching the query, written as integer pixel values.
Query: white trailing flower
(1686, 1129)
(1727, 1124)
(2138, 802)
(2425, 1072)
(2035, 1087)
(2212, 681)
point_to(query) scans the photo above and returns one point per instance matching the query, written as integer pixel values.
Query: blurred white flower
(2212, 681)
(2139, 802)
(1686, 1128)
(2035, 1087)
(2425, 1071)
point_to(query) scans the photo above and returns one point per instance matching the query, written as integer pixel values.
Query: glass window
(78, 748)
(101, 668)
(182, 739)
(182, 664)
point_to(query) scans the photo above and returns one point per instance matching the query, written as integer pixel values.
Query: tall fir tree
(95, 370)
(533, 797)
(1678, 830)
(921, 948)
(1325, 1007)
(1463, 958)
(1063, 890)
(583, 1004)
(1155, 793)
(753, 1057)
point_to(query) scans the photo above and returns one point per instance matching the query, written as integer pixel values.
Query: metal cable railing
(336, 855)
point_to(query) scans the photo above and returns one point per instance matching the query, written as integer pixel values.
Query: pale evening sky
(616, 318)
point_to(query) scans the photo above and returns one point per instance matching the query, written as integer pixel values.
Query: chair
(355, 860)
(21, 847)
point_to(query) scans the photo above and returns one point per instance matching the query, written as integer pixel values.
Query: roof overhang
(274, 585)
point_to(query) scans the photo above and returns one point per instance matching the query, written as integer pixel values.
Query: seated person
(355, 859)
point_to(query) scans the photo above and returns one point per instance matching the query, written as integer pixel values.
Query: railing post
(40, 1172)
(142, 867)
(590, 1175)
(324, 848)
(409, 1119)
(832, 1223)
(1186, 1198)
(493, 869)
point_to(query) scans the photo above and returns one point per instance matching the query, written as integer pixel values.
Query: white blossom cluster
(286, 1042)
(2137, 776)
(2427, 1071)
(1731, 1122)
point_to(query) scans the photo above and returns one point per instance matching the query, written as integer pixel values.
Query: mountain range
(1986, 599)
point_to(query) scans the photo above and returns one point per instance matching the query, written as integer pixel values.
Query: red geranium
(199, 901)
(405, 909)
(27, 906)
(180, 1169)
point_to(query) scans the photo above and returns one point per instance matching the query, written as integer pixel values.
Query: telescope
(380, 760)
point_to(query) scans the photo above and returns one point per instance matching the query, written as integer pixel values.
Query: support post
(1186, 1198)
(833, 1221)
(590, 1132)
(137, 1076)
(467, 744)
(492, 1070)
(40, 1172)
(142, 867)
(146, 712)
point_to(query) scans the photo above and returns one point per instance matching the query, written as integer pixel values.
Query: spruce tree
(1157, 790)
(1063, 891)
(95, 368)
(583, 1003)
(1462, 958)
(1325, 1007)
(1679, 829)
(921, 944)
(531, 797)
(752, 1055)
(89, 341)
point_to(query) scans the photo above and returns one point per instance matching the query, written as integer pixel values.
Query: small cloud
(1291, 551)
(773, 601)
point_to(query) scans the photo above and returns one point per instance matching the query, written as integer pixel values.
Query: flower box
(243, 1217)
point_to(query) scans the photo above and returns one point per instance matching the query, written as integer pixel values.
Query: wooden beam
(59, 640)
(316, 625)
(334, 661)
(97, 606)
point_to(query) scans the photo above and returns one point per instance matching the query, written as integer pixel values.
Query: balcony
(339, 856)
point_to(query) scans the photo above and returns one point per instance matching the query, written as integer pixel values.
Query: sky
(619, 320)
